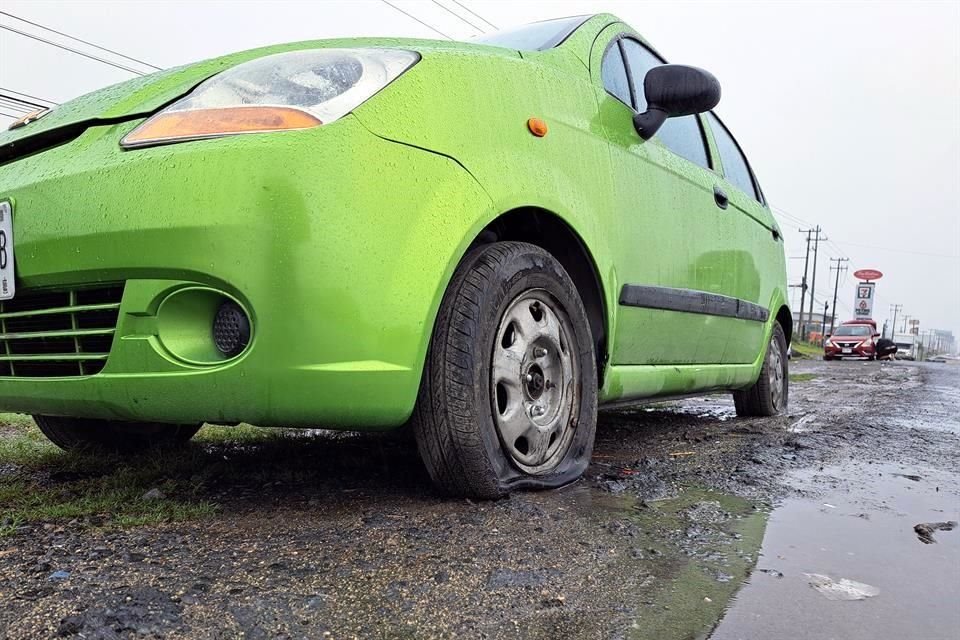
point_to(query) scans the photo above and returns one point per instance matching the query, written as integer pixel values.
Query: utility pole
(893, 325)
(803, 284)
(813, 283)
(905, 318)
(836, 285)
(824, 324)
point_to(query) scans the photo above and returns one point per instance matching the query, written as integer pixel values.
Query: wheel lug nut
(536, 410)
(539, 352)
(528, 377)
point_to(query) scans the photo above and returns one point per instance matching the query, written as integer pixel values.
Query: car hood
(143, 96)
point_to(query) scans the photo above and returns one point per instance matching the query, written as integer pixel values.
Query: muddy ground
(689, 522)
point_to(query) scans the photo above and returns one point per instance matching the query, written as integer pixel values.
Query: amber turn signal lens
(537, 127)
(207, 123)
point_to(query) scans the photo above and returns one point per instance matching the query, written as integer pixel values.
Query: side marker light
(537, 127)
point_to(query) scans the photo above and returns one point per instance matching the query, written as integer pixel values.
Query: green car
(484, 240)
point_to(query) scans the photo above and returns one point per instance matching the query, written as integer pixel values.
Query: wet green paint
(340, 240)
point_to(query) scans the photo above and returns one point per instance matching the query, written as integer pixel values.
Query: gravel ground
(322, 536)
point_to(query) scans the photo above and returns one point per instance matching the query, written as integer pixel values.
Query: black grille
(52, 333)
(847, 345)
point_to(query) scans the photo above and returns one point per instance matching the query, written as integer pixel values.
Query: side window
(735, 167)
(683, 135)
(615, 75)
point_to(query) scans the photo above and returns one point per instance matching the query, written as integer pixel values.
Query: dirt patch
(304, 533)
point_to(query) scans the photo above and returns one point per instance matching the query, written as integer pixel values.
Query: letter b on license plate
(7, 283)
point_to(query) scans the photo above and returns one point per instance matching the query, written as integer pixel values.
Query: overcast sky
(849, 112)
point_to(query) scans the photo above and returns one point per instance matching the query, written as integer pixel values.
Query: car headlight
(284, 91)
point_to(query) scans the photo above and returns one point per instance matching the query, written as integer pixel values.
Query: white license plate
(847, 351)
(7, 283)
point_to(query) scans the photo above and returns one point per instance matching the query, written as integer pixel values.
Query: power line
(474, 13)
(72, 50)
(21, 103)
(67, 35)
(796, 219)
(458, 16)
(790, 216)
(27, 95)
(412, 17)
(10, 104)
(838, 249)
(916, 253)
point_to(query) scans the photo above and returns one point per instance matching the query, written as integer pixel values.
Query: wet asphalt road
(853, 519)
(689, 522)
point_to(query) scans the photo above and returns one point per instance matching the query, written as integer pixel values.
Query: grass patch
(40, 483)
(223, 468)
(806, 350)
(802, 377)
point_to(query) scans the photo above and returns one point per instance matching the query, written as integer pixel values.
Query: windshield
(853, 330)
(536, 36)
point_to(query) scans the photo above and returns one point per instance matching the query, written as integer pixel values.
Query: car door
(672, 241)
(759, 259)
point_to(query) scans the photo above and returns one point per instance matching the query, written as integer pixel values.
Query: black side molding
(690, 301)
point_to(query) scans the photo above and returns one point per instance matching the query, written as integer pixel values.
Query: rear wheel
(76, 434)
(508, 397)
(769, 394)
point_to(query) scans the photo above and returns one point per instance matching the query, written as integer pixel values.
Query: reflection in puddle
(856, 542)
(710, 543)
(688, 555)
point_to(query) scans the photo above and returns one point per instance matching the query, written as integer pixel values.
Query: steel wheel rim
(534, 381)
(775, 373)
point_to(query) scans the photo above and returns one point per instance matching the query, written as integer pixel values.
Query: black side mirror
(674, 90)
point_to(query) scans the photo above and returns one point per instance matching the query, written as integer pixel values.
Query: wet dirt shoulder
(319, 534)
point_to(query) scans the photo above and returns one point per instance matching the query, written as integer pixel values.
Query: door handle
(720, 197)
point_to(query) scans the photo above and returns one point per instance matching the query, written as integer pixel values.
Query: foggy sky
(848, 112)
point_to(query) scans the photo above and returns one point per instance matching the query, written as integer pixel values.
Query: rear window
(735, 167)
(536, 36)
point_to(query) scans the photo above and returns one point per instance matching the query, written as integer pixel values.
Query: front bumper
(338, 243)
(865, 351)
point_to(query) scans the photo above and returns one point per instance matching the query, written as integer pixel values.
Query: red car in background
(852, 339)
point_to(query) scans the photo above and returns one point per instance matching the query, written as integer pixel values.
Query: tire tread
(448, 436)
(755, 401)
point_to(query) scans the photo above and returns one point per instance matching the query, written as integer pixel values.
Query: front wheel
(78, 434)
(508, 397)
(769, 394)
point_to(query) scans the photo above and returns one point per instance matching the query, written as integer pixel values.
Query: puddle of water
(715, 557)
(692, 552)
(860, 530)
(712, 407)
